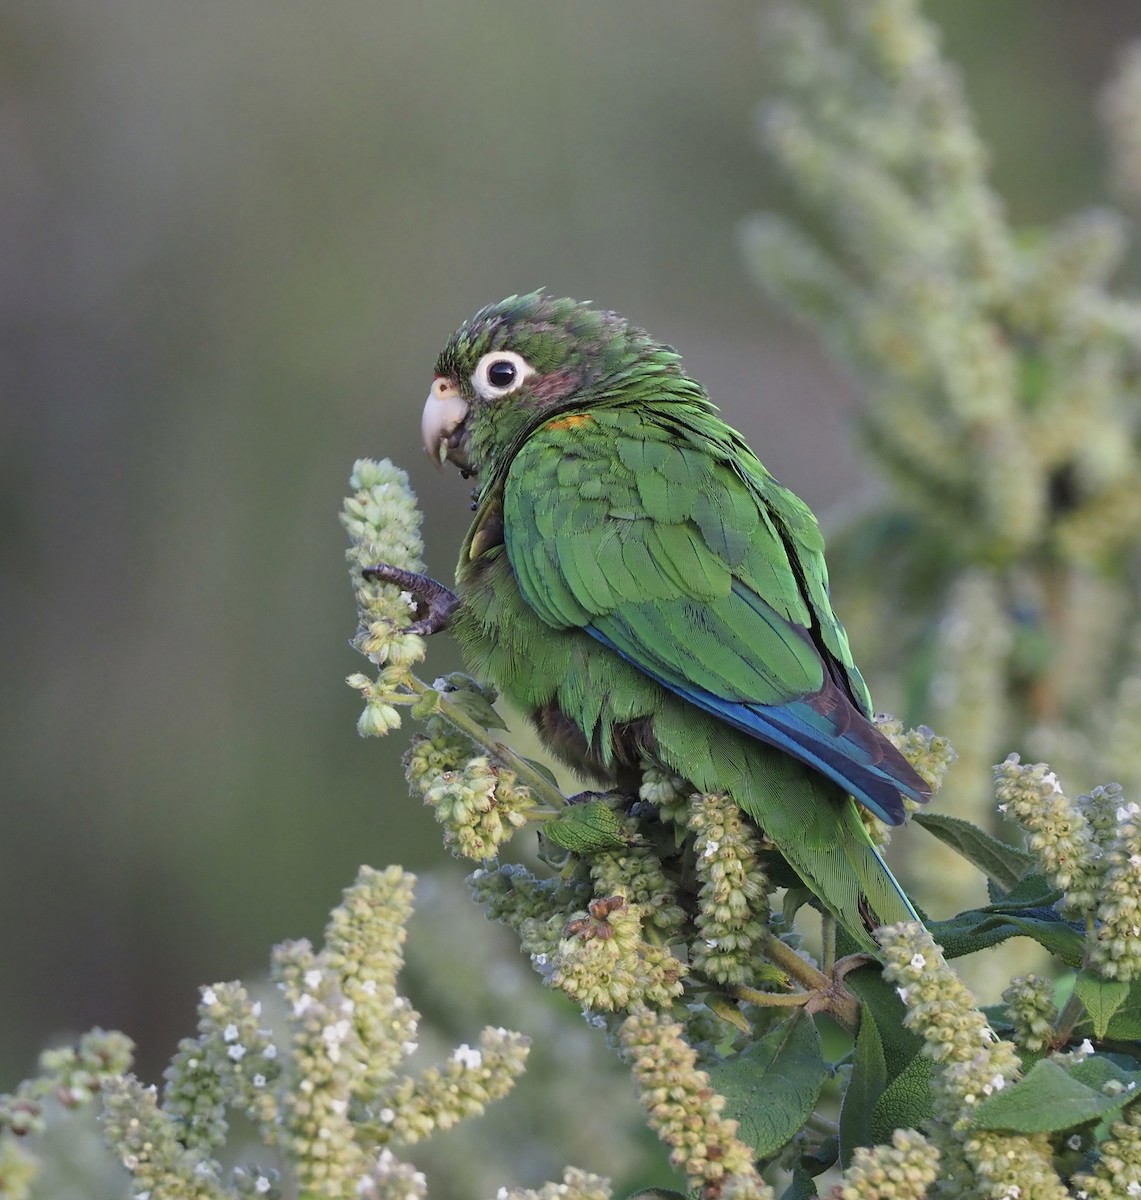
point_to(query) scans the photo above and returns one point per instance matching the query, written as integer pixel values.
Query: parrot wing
(672, 546)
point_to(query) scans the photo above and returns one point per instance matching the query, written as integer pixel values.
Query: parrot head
(516, 363)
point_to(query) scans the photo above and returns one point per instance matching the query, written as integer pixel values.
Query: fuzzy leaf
(1101, 997)
(979, 928)
(1051, 1098)
(543, 770)
(1031, 891)
(866, 1085)
(900, 1045)
(1003, 863)
(905, 1103)
(468, 697)
(772, 1089)
(1125, 1024)
(587, 828)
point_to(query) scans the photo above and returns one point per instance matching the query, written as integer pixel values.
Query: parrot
(637, 583)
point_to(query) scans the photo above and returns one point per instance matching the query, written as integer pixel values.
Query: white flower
(230, 1033)
(467, 1057)
(410, 1047)
(270, 1051)
(312, 978)
(1086, 1047)
(259, 1081)
(263, 1184)
(237, 1052)
(209, 997)
(387, 1116)
(918, 962)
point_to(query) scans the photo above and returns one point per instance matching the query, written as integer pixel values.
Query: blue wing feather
(815, 731)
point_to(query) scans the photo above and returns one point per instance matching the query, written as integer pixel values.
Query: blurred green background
(235, 235)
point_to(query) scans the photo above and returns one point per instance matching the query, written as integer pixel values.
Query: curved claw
(434, 602)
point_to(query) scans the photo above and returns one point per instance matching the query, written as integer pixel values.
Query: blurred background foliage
(235, 237)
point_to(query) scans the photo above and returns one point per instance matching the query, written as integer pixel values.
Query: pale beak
(444, 414)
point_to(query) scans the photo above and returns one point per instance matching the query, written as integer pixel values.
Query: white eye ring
(499, 372)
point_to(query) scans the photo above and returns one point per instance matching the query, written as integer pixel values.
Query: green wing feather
(671, 544)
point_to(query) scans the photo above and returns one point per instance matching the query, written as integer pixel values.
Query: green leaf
(802, 1187)
(1052, 1098)
(1003, 863)
(771, 1090)
(1125, 1024)
(900, 1045)
(980, 928)
(1031, 891)
(905, 1103)
(1101, 997)
(587, 828)
(866, 1085)
(466, 695)
(543, 770)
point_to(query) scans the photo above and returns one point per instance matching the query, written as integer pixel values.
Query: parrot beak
(442, 424)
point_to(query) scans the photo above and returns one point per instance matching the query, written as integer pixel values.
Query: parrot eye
(500, 372)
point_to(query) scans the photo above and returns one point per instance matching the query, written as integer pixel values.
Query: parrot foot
(434, 602)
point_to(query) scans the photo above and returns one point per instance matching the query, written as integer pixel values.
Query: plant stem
(1071, 1014)
(793, 964)
(828, 931)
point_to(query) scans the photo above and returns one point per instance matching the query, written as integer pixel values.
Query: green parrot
(637, 583)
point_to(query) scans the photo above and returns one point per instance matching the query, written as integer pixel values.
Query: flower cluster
(149, 1143)
(1030, 1006)
(1117, 1175)
(973, 1063)
(668, 793)
(1116, 952)
(473, 1077)
(928, 752)
(232, 1062)
(1056, 830)
(602, 961)
(685, 1111)
(575, 1185)
(732, 913)
(72, 1075)
(479, 802)
(1090, 848)
(383, 523)
(902, 1171)
(637, 873)
(330, 1095)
